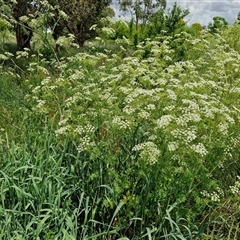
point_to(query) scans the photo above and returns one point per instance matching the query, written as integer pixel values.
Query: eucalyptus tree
(141, 10)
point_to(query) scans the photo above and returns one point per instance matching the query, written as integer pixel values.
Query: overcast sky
(203, 11)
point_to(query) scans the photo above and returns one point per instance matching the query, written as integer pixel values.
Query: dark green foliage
(232, 35)
(142, 10)
(174, 18)
(196, 29)
(81, 16)
(218, 23)
(122, 29)
(238, 18)
(169, 23)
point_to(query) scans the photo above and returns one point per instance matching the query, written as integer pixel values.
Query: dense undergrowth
(118, 142)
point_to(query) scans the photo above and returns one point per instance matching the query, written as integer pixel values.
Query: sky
(201, 11)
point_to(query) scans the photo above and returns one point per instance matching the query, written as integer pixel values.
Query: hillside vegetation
(121, 139)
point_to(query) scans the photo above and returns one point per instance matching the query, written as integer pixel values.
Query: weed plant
(125, 144)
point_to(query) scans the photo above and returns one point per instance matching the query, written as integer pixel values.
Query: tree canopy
(238, 18)
(82, 15)
(77, 16)
(141, 10)
(218, 23)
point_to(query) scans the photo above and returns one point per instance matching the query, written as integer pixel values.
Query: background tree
(195, 29)
(108, 12)
(121, 28)
(217, 24)
(171, 22)
(21, 12)
(141, 10)
(232, 36)
(173, 19)
(82, 14)
(238, 18)
(197, 26)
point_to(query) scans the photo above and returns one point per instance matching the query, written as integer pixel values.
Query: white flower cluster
(63, 15)
(200, 149)
(229, 118)
(42, 69)
(192, 105)
(148, 152)
(71, 101)
(62, 131)
(144, 114)
(3, 57)
(120, 122)
(171, 94)
(83, 130)
(169, 108)
(24, 19)
(41, 106)
(128, 110)
(23, 54)
(84, 136)
(173, 146)
(223, 128)
(63, 41)
(189, 117)
(236, 188)
(36, 90)
(46, 81)
(214, 196)
(164, 121)
(150, 107)
(109, 32)
(185, 135)
(139, 92)
(84, 143)
(63, 121)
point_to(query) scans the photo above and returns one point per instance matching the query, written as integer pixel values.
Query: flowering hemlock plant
(159, 127)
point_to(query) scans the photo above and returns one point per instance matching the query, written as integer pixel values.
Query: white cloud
(202, 11)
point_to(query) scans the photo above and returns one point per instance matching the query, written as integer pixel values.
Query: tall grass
(48, 192)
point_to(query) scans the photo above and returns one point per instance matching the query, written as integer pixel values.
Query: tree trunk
(137, 20)
(23, 37)
(23, 32)
(79, 32)
(56, 33)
